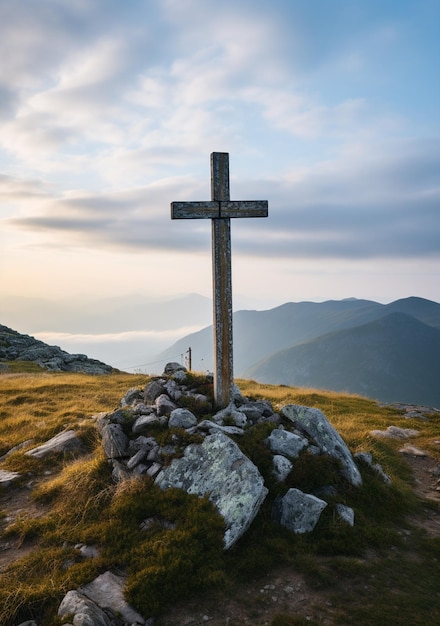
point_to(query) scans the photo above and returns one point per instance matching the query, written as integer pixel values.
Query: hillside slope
(394, 358)
(15, 346)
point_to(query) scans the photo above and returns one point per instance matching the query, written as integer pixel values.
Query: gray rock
(107, 592)
(346, 513)
(281, 467)
(173, 390)
(366, 457)
(137, 458)
(199, 399)
(219, 470)
(253, 414)
(140, 469)
(7, 478)
(153, 390)
(141, 443)
(395, 432)
(114, 417)
(67, 441)
(131, 396)
(182, 418)
(230, 413)
(154, 455)
(84, 610)
(283, 442)
(16, 448)
(212, 427)
(410, 450)
(164, 405)
(298, 511)
(154, 469)
(142, 409)
(236, 396)
(144, 422)
(180, 376)
(15, 346)
(120, 471)
(88, 552)
(114, 441)
(172, 368)
(314, 424)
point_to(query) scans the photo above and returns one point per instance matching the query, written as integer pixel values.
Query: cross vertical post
(222, 283)
(220, 210)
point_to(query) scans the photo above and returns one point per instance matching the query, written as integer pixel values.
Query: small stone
(182, 418)
(131, 396)
(153, 390)
(395, 432)
(153, 470)
(281, 467)
(137, 458)
(346, 513)
(413, 451)
(164, 405)
(172, 368)
(144, 422)
(7, 478)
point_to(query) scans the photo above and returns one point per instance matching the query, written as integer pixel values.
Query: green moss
(164, 563)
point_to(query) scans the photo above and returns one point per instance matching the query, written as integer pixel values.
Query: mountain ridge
(261, 335)
(371, 360)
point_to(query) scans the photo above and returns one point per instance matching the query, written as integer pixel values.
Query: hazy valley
(389, 352)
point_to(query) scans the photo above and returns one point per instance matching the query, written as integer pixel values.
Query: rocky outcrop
(17, 347)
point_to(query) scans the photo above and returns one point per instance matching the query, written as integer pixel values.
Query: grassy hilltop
(385, 570)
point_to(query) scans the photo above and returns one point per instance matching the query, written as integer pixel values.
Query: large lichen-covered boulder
(219, 470)
(315, 425)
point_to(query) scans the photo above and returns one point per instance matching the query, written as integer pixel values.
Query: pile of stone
(212, 465)
(17, 347)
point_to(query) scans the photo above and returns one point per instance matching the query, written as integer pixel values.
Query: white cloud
(109, 110)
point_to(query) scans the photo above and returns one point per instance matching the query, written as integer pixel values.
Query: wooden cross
(220, 209)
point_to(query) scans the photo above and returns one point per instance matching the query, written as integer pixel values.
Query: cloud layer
(108, 112)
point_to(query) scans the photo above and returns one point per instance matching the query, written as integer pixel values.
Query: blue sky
(329, 110)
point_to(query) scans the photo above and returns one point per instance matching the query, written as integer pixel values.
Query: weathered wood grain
(220, 210)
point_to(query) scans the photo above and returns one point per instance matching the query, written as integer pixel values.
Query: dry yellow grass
(38, 405)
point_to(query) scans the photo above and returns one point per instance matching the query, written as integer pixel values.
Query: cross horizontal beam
(218, 210)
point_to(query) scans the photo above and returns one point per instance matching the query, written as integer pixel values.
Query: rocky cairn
(214, 465)
(202, 457)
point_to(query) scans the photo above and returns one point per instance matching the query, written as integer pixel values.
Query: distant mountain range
(390, 352)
